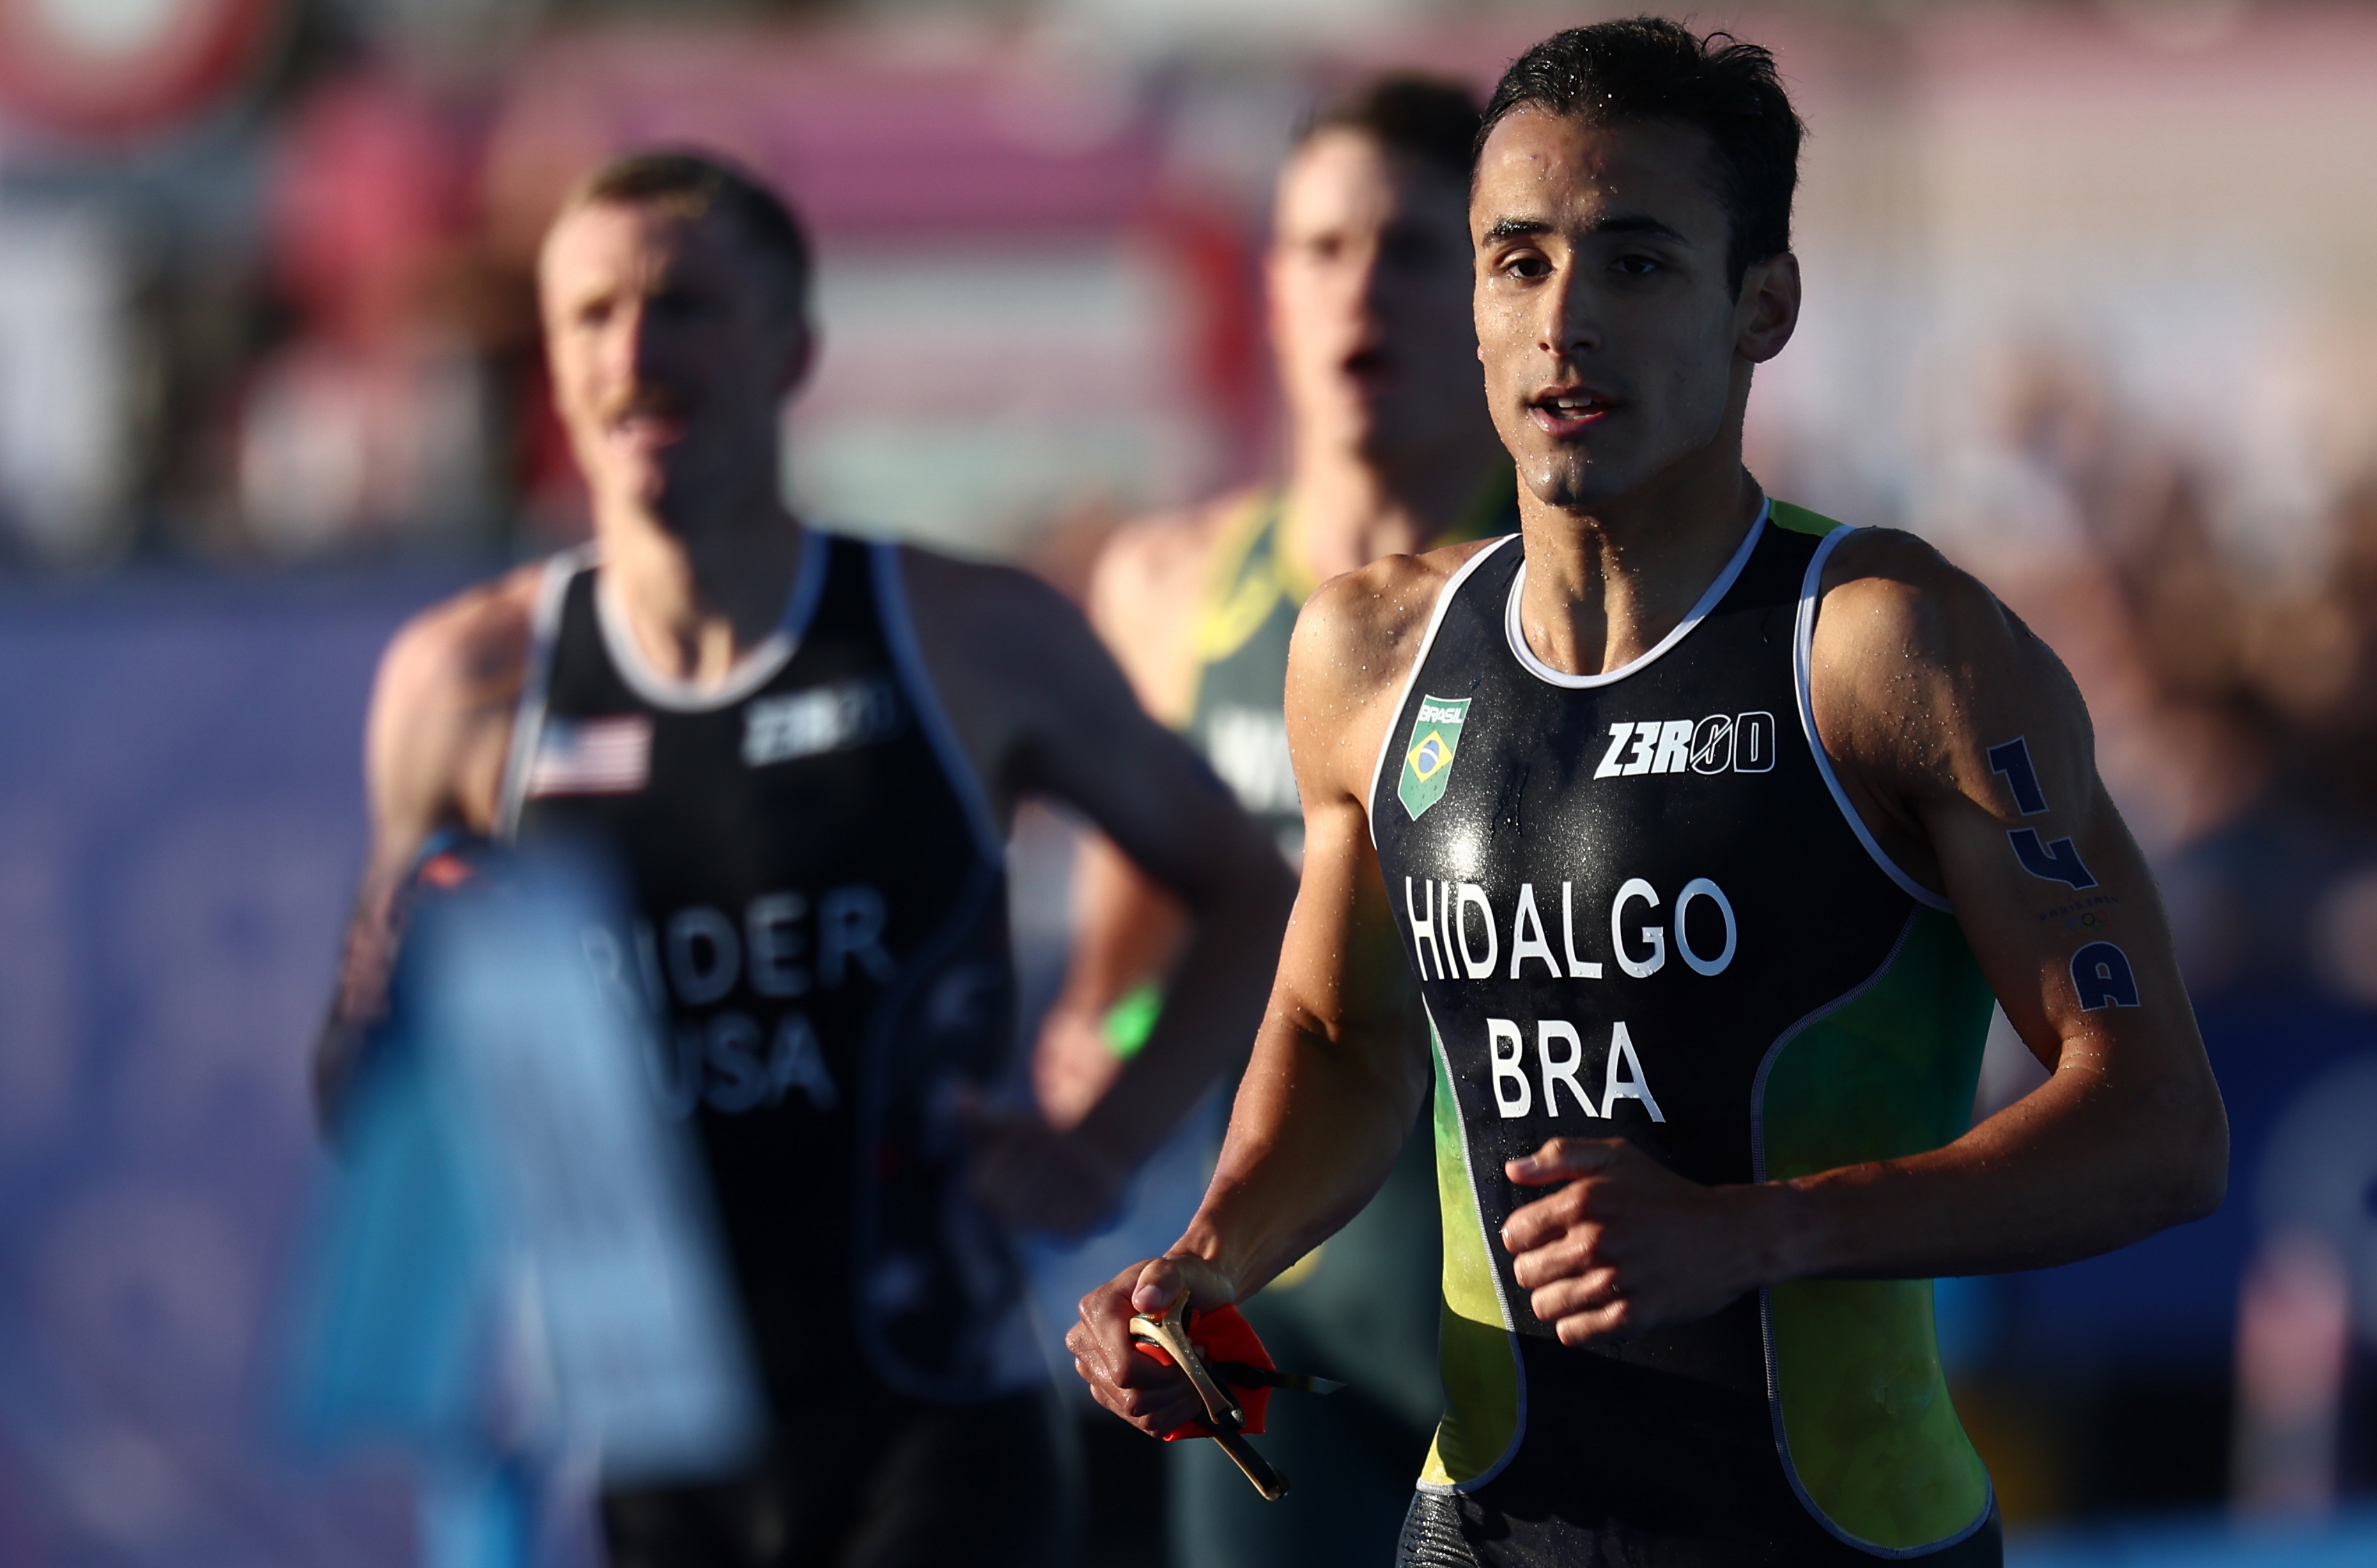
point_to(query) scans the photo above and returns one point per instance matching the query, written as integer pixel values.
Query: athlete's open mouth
(648, 416)
(1371, 366)
(1568, 410)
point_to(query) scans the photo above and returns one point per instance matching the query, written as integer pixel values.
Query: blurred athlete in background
(1709, 828)
(1390, 450)
(803, 750)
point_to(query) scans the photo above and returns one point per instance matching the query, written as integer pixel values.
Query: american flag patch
(592, 757)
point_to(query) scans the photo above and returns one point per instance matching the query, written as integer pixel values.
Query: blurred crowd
(306, 334)
(2235, 700)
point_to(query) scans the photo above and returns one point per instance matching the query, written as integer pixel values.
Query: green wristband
(1130, 1021)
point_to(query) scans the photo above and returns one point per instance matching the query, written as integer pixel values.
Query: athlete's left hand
(1627, 1244)
(1029, 1173)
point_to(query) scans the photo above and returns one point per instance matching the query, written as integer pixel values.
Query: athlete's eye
(1636, 265)
(1528, 264)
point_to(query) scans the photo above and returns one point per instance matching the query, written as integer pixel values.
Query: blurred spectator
(64, 366)
(2292, 1331)
(2306, 1433)
(375, 424)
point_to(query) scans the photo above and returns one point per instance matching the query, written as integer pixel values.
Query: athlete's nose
(642, 342)
(1368, 278)
(1567, 324)
(617, 348)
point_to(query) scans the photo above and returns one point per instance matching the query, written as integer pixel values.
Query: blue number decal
(2058, 861)
(2013, 759)
(2101, 972)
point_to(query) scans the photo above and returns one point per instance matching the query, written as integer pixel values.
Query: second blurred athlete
(803, 750)
(1390, 451)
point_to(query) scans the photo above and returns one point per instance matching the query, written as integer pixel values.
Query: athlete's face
(1615, 351)
(1369, 276)
(672, 345)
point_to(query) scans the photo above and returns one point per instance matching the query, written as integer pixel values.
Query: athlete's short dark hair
(693, 184)
(1651, 68)
(1430, 120)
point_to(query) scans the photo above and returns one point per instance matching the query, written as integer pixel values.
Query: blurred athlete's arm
(1340, 1066)
(1044, 710)
(1968, 752)
(434, 745)
(1127, 935)
(1127, 930)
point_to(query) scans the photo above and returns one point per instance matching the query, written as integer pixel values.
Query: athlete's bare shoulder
(442, 707)
(1887, 579)
(1145, 591)
(1355, 645)
(1915, 668)
(1892, 602)
(1359, 631)
(1163, 554)
(478, 636)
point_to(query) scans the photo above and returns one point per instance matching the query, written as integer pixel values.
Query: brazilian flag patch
(1428, 758)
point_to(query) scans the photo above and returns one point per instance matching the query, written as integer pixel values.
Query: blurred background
(2090, 305)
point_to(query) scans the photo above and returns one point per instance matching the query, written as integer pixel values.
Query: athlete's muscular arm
(1968, 752)
(1127, 930)
(1041, 708)
(1341, 1062)
(433, 743)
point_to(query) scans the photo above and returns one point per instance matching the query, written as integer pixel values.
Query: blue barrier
(2348, 1541)
(181, 828)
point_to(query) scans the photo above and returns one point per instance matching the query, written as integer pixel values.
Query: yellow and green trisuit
(1641, 906)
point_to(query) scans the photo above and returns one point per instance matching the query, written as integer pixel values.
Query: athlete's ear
(800, 359)
(1767, 311)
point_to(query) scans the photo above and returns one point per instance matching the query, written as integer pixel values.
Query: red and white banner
(122, 68)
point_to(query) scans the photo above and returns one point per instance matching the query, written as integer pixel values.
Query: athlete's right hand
(1153, 1397)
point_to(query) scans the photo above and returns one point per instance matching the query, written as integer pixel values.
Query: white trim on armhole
(527, 719)
(1803, 681)
(1419, 660)
(900, 636)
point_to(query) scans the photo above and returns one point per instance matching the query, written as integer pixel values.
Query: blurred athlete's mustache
(645, 400)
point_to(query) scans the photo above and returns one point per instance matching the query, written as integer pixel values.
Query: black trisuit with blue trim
(821, 941)
(1639, 906)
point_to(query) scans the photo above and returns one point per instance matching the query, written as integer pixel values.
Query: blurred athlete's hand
(1627, 1244)
(1031, 1174)
(1152, 1396)
(1072, 1067)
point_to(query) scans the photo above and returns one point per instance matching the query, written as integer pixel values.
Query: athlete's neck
(1343, 510)
(697, 600)
(1605, 584)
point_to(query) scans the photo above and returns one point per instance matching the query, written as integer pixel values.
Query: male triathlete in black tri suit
(1710, 830)
(802, 750)
(1388, 449)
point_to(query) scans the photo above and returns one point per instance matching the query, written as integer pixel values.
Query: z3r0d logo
(1427, 756)
(1722, 743)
